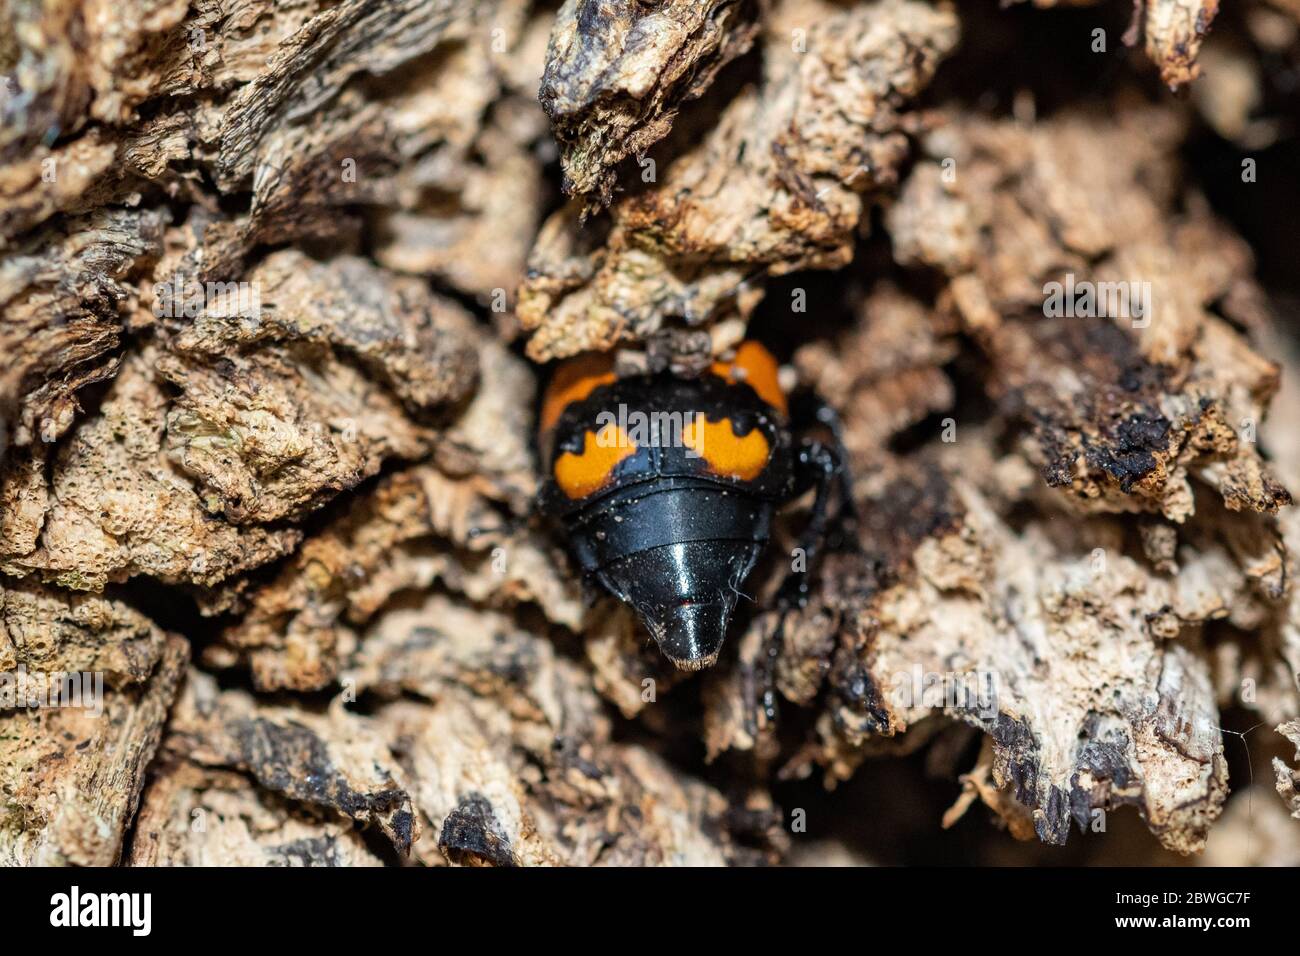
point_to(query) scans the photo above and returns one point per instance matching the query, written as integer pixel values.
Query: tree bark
(277, 281)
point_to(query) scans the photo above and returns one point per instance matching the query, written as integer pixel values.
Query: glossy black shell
(665, 533)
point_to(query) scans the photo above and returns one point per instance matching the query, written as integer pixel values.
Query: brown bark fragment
(1288, 778)
(54, 180)
(1125, 406)
(1152, 739)
(66, 295)
(778, 185)
(1075, 544)
(1174, 32)
(418, 528)
(519, 729)
(42, 629)
(71, 777)
(116, 506)
(277, 414)
(195, 816)
(330, 761)
(617, 73)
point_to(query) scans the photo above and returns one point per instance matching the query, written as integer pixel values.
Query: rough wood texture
(72, 778)
(274, 281)
(776, 186)
(616, 75)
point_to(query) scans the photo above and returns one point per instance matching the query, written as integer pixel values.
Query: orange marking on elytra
(587, 472)
(574, 381)
(755, 366)
(726, 454)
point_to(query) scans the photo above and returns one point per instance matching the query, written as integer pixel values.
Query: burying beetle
(667, 487)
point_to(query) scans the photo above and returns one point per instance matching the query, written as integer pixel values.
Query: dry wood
(274, 281)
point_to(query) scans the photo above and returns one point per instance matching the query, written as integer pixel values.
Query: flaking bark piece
(68, 66)
(472, 836)
(512, 759)
(888, 367)
(1126, 406)
(410, 340)
(66, 294)
(47, 630)
(416, 529)
(1067, 667)
(75, 176)
(71, 778)
(1023, 203)
(278, 411)
(114, 505)
(197, 816)
(617, 73)
(455, 522)
(1119, 433)
(468, 216)
(1174, 31)
(334, 761)
(776, 186)
(1132, 716)
(1288, 778)
(313, 107)
(312, 65)
(413, 134)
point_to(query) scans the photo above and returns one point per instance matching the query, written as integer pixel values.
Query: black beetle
(667, 487)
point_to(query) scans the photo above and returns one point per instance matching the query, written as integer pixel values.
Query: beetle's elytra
(667, 486)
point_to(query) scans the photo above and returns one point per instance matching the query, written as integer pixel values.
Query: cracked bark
(297, 537)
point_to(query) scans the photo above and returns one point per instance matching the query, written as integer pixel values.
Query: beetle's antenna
(1250, 786)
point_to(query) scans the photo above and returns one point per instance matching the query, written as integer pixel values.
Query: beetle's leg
(821, 467)
(809, 412)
